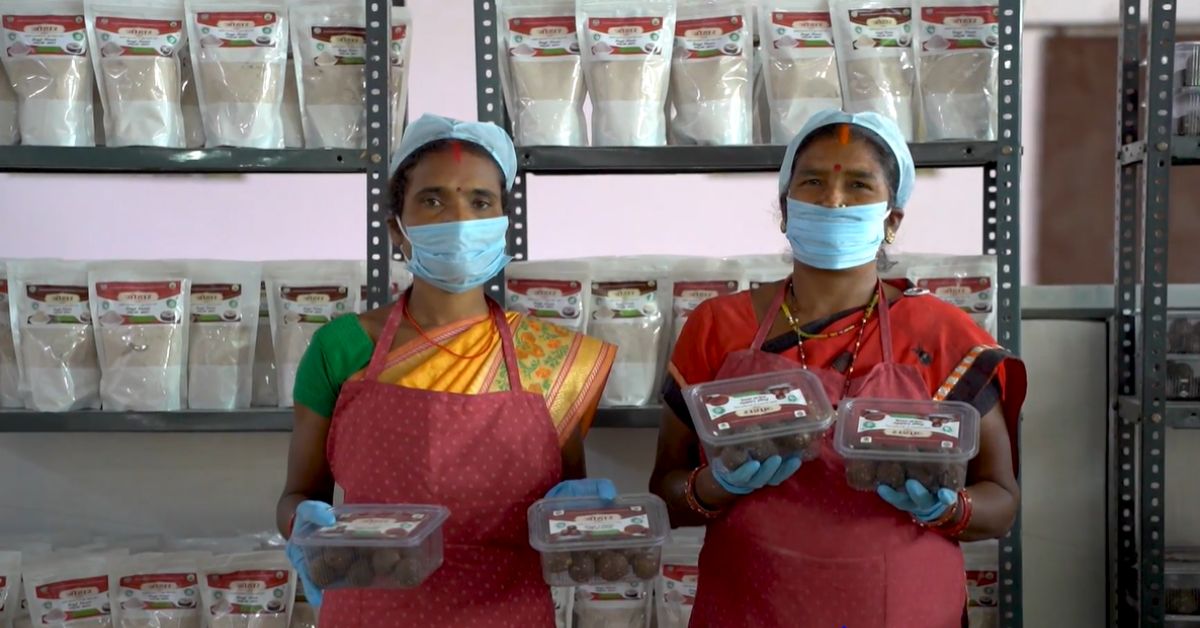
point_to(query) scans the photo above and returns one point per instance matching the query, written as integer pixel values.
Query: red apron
(486, 457)
(815, 553)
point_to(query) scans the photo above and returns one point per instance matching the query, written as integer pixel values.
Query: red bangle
(291, 526)
(965, 508)
(693, 502)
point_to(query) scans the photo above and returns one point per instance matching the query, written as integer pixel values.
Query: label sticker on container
(792, 31)
(56, 305)
(959, 28)
(153, 592)
(623, 592)
(140, 302)
(62, 602)
(374, 525)
(711, 37)
(690, 294)
(238, 29)
(680, 582)
(399, 41)
(542, 37)
(881, 28)
(569, 526)
(628, 299)
(902, 430)
(739, 410)
(37, 35)
(625, 37)
(249, 592)
(216, 303)
(560, 300)
(123, 36)
(340, 45)
(972, 295)
(314, 304)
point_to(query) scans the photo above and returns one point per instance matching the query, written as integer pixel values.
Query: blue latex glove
(754, 475)
(318, 513)
(916, 500)
(600, 487)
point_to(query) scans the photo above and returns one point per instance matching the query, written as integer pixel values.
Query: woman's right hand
(317, 513)
(754, 475)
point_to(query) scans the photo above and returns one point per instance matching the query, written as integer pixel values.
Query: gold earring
(889, 236)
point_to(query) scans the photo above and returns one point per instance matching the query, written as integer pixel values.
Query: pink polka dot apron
(486, 457)
(815, 553)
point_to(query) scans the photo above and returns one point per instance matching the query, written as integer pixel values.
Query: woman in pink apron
(792, 545)
(442, 398)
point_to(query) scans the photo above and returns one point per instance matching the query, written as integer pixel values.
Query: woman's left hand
(916, 500)
(602, 488)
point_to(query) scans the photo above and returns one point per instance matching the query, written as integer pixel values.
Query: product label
(342, 45)
(133, 37)
(56, 305)
(249, 592)
(617, 37)
(680, 582)
(66, 601)
(4, 300)
(982, 589)
(890, 429)
(959, 28)
(151, 592)
(630, 299)
(374, 525)
(690, 294)
(881, 28)
(791, 30)
(623, 592)
(399, 41)
(140, 302)
(711, 37)
(741, 410)
(238, 29)
(216, 303)
(546, 299)
(314, 304)
(26, 35)
(607, 524)
(542, 37)
(972, 295)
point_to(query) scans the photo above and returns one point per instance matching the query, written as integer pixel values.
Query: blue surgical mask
(835, 238)
(458, 256)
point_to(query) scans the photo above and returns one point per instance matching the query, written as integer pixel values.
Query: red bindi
(837, 167)
(456, 149)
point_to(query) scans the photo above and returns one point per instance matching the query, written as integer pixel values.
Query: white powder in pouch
(46, 59)
(255, 590)
(628, 314)
(957, 64)
(800, 64)
(329, 42)
(239, 54)
(874, 43)
(193, 122)
(543, 72)
(292, 340)
(711, 74)
(293, 125)
(688, 295)
(612, 606)
(157, 591)
(224, 318)
(627, 48)
(136, 52)
(400, 56)
(265, 389)
(141, 338)
(10, 132)
(55, 348)
(299, 307)
(70, 592)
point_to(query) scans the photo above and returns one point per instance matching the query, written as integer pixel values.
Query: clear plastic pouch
(874, 40)
(542, 70)
(224, 317)
(253, 590)
(800, 67)
(712, 73)
(957, 64)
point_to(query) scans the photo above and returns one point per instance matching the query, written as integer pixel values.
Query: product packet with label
(257, 588)
(712, 83)
(799, 65)
(329, 48)
(698, 280)
(71, 591)
(675, 588)
(224, 318)
(542, 71)
(618, 605)
(553, 292)
(874, 40)
(957, 65)
(157, 590)
(968, 282)
(628, 301)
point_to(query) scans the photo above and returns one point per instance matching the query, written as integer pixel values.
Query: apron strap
(384, 344)
(770, 315)
(507, 346)
(885, 324)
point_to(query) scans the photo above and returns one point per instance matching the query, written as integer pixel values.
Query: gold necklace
(862, 328)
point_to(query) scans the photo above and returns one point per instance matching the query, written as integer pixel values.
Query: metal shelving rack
(1001, 163)
(1146, 151)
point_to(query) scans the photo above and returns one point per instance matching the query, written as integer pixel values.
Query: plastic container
(753, 418)
(889, 441)
(588, 540)
(1182, 581)
(393, 546)
(1183, 377)
(1183, 333)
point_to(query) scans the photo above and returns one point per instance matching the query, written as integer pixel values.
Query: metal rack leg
(378, 150)
(991, 207)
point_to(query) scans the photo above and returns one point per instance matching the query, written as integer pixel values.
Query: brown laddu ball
(891, 474)
(384, 560)
(612, 566)
(583, 567)
(645, 565)
(557, 562)
(925, 473)
(860, 474)
(340, 558)
(953, 476)
(407, 573)
(734, 457)
(320, 573)
(360, 575)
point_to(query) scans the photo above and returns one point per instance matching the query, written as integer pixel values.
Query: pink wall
(322, 216)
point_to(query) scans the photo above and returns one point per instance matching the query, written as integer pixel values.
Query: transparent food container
(1182, 581)
(753, 418)
(589, 540)
(1183, 333)
(889, 441)
(1183, 377)
(394, 546)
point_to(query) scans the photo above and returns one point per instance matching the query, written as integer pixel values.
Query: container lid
(733, 411)
(918, 430)
(569, 524)
(381, 525)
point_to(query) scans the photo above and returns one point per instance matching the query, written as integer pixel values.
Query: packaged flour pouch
(157, 590)
(957, 64)
(564, 605)
(712, 73)
(620, 605)
(542, 70)
(224, 317)
(10, 394)
(982, 560)
(329, 46)
(874, 40)
(627, 47)
(265, 389)
(400, 57)
(52, 335)
(70, 591)
(254, 590)
(696, 281)
(293, 123)
(629, 301)
(140, 309)
(10, 581)
(800, 63)
(675, 587)
(552, 291)
(136, 47)
(965, 281)
(46, 58)
(193, 122)
(239, 54)
(10, 131)
(304, 296)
